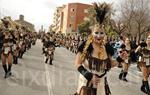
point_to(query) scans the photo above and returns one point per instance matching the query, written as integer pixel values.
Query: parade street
(74, 47)
(33, 77)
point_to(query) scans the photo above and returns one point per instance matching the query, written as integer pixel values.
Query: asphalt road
(33, 77)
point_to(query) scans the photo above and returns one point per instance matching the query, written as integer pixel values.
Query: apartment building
(68, 17)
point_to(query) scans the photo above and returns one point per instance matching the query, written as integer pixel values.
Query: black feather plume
(101, 11)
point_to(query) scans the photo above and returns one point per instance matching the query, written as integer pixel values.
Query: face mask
(98, 34)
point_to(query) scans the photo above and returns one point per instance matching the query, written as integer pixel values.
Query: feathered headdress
(102, 12)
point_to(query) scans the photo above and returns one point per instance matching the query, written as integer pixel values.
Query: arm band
(88, 75)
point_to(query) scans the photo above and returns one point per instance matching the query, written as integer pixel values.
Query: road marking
(48, 79)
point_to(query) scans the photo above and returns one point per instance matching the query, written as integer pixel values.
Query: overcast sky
(38, 12)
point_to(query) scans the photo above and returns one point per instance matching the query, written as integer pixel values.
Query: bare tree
(142, 17)
(127, 11)
(135, 15)
(118, 27)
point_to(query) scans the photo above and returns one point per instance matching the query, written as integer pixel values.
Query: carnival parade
(89, 48)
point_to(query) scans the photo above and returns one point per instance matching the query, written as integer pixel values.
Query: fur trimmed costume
(100, 67)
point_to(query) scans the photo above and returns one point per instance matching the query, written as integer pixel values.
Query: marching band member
(7, 53)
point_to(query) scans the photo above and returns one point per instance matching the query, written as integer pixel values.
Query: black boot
(124, 76)
(46, 60)
(21, 55)
(145, 87)
(5, 69)
(9, 69)
(120, 75)
(50, 62)
(15, 60)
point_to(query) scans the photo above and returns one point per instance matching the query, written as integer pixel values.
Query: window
(72, 9)
(86, 11)
(70, 25)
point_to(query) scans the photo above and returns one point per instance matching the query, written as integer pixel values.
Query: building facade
(56, 20)
(24, 23)
(68, 17)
